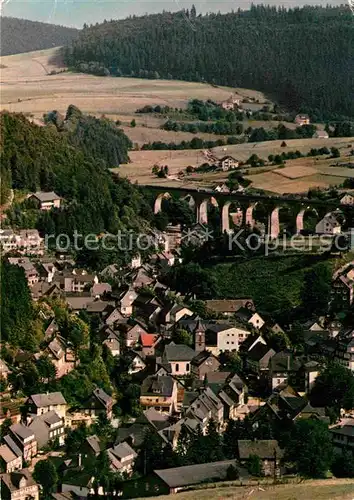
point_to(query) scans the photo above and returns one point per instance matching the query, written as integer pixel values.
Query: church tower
(199, 337)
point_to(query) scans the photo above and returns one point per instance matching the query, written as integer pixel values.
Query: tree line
(288, 53)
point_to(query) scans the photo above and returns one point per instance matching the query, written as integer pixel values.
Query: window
(177, 367)
(228, 342)
(187, 367)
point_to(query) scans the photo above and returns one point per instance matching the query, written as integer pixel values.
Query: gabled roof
(7, 454)
(148, 339)
(12, 445)
(12, 480)
(94, 443)
(258, 352)
(21, 431)
(178, 352)
(194, 474)
(158, 385)
(200, 358)
(102, 396)
(46, 196)
(229, 306)
(56, 348)
(51, 398)
(123, 450)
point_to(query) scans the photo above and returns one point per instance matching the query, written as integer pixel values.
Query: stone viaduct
(246, 204)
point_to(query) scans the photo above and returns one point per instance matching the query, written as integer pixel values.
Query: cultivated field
(297, 177)
(27, 86)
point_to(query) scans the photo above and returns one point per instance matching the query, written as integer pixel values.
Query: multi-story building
(19, 485)
(38, 404)
(159, 392)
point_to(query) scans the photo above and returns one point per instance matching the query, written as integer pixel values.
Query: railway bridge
(247, 203)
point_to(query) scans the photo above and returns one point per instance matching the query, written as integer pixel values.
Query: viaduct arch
(201, 200)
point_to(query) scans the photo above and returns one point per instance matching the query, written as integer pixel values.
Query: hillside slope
(71, 162)
(21, 35)
(302, 56)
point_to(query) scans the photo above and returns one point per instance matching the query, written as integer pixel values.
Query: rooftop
(48, 399)
(194, 474)
(46, 196)
(229, 306)
(178, 352)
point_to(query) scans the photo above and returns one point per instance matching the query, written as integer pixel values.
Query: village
(182, 372)
(146, 349)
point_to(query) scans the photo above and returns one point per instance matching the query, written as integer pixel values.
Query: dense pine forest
(303, 57)
(67, 159)
(22, 35)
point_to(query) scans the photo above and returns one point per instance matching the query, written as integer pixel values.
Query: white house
(229, 338)
(347, 199)
(329, 225)
(46, 200)
(302, 120)
(228, 163)
(320, 134)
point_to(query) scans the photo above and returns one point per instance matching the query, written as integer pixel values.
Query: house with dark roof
(46, 200)
(342, 291)
(9, 461)
(38, 404)
(18, 485)
(159, 392)
(267, 450)
(111, 341)
(203, 363)
(251, 341)
(229, 307)
(136, 361)
(344, 350)
(343, 436)
(178, 478)
(47, 428)
(227, 163)
(133, 334)
(257, 359)
(286, 404)
(173, 313)
(61, 356)
(232, 395)
(121, 458)
(179, 357)
(282, 366)
(92, 446)
(248, 316)
(99, 402)
(24, 439)
(207, 406)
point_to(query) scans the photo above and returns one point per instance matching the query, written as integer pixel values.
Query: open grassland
(297, 177)
(28, 87)
(333, 489)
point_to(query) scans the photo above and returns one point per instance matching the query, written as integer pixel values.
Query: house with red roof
(148, 342)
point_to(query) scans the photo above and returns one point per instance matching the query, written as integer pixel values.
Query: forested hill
(21, 35)
(59, 159)
(304, 57)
